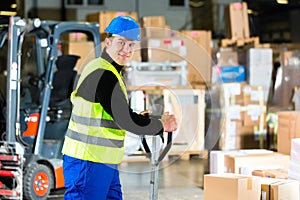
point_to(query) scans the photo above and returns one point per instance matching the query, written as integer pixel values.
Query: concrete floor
(178, 180)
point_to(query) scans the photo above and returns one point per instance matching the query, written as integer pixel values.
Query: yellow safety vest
(92, 134)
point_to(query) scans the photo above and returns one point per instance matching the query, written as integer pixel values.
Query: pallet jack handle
(155, 160)
(164, 151)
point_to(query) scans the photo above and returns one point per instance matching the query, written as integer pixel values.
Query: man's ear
(107, 42)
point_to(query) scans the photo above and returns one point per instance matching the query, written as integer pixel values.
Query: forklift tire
(38, 181)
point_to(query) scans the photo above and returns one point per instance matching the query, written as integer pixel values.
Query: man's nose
(128, 48)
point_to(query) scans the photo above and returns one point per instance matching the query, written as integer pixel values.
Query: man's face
(120, 49)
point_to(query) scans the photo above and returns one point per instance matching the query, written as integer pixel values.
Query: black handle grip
(167, 148)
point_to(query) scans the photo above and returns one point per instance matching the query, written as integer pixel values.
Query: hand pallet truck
(156, 157)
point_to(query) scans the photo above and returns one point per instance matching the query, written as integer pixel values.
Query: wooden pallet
(187, 155)
(183, 155)
(139, 156)
(239, 42)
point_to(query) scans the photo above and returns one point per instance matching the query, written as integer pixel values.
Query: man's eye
(132, 45)
(122, 43)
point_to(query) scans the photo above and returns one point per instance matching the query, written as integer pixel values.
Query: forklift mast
(14, 160)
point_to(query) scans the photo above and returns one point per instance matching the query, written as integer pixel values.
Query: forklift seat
(63, 79)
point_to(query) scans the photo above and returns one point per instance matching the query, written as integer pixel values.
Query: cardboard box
(231, 94)
(233, 163)
(105, 17)
(237, 20)
(85, 50)
(255, 106)
(198, 43)
(229, 74)
(153, 21)
(286, 81)
(227, 58)
(284, 57)
(190, 133)
(271, 173)
(178, 48)
(295, 150)
(201, 37)
(253, 95)
(231, 187)
(294, 167)
(164, 49)
(217, 157)
(260, 69)
(156, 32)
(277, 189)
(288, 128)
(74, 37)
(254, 115)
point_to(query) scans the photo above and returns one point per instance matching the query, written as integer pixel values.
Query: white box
(260, 67)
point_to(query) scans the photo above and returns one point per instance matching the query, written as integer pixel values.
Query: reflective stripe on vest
(92, 134)
(95, 140)
(94, 122)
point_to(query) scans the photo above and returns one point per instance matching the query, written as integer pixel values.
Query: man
(94, 143)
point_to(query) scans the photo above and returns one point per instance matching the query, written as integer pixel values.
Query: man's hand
(169, 122)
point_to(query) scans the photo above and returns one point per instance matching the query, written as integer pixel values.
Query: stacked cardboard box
(240, 187)
(227, 68)
(246, 161)
(294, 168)
(198, 55)
(78, 44)
(244, 111)
(178, 48)
(245, 164)
(155, 27)
(188, 105)
(271, 173)
(260, 69)
(105, 17)
(160, 43)
(217, 158)
(231, 187)
(237, 22)
(288, 128)
(276, 189)
(84, 49)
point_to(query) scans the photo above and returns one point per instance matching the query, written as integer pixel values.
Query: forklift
(35, 121)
